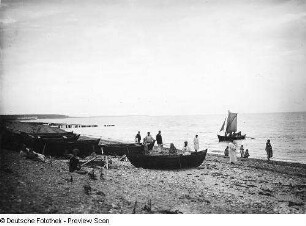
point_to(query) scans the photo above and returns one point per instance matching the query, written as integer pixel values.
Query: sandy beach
(250, 186)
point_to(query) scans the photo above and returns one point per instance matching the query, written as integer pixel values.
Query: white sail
(231, 125)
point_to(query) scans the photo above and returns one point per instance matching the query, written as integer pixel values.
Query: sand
(250, 186)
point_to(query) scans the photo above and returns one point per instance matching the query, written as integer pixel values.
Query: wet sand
(250, 186)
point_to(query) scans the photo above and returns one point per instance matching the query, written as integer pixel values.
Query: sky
(162, 57)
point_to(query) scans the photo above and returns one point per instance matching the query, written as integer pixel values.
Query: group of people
(243, 153)
(230, 151)
(233, 134)
(149, 142)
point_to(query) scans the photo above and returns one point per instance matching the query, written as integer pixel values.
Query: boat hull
(122, 149)
(168, 162)
(231, 138)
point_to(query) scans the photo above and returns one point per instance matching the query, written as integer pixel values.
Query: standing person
(159, 140)
(186, 149)
(196, 143)
(149, 141)
(138, 137)
(241, 151)
(269, 150)
(232, 153)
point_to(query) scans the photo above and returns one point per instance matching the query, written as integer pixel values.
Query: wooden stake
(106, 160)
(134, 209)
(43, 152)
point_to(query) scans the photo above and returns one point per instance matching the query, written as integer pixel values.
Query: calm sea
(287, 131)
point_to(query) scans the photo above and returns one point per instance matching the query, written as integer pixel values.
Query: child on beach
(269, 150)
(241, 151)
(246, 154)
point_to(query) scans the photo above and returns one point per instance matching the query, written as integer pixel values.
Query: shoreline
(212, 149)
(249, 186)
(260, 159)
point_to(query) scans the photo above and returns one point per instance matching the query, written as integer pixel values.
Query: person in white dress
(232, 153)
(196, 143)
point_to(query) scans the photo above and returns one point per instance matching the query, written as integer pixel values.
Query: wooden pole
(106, 160)
(43, 152)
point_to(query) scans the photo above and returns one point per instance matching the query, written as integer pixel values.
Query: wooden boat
(231, 129)
(53, 137)
(169, 162)
(231, 138)
(85, 145)
(119, 149)
(46, 140)
(57, 147)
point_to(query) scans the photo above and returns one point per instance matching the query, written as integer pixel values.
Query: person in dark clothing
(159, 140)
(226, 152)
(138, 137)
(74, 163)
(269, 150)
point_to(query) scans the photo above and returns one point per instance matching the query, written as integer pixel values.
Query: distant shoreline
(33, 116)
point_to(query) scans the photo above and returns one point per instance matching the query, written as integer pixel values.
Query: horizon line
(145, 115)
(93, 116)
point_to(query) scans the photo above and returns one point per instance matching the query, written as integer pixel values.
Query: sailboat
(231, 129)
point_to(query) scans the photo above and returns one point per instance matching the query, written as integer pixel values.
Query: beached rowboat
(119, 149)
(168, 161)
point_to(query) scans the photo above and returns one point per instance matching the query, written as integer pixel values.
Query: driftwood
(123, 158)
(88, 161)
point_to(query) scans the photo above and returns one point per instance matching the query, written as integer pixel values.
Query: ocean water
(287, 131)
